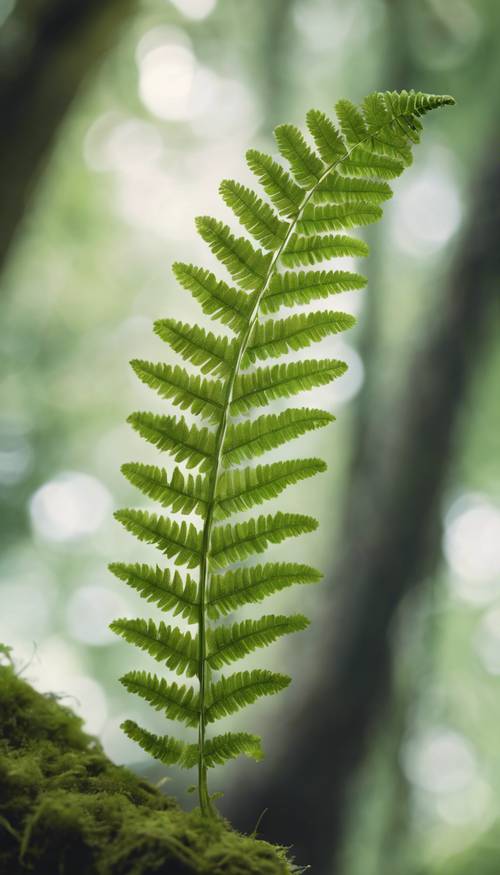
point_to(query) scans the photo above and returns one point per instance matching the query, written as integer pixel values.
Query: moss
(66, 809)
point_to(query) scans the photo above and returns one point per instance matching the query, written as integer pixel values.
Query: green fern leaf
(289, 288)
(253, 437)
(338, 182)
(339, 189)
(277, 336)
(387, 136)
(328, 141)
(180, 541)
(212, 354)
(231, 745)
(352, 123)
(233, 543)
(166, 749)
(230, 694)
(336, 217)
(281, 381)
(254, 214)
(190, 444)
(414, 103)
(183, 494)
(251, 585)
(303, 250)
(177, 702)
(306, 167)
(203, 397)
(242, 488)
(178, 650)
(227, 644)
(231, 306)
(169, 591)
(279, 186)
(370, 164)
(247, 266)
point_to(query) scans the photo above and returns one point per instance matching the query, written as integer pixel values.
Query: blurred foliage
(189, 86)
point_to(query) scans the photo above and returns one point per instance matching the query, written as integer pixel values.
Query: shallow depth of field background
(185, 87)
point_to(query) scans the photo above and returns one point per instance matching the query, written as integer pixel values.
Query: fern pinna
(337, 184)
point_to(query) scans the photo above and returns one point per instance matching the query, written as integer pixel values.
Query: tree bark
(46, 50)
(387, 545)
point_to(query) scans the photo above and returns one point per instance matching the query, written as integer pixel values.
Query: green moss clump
(65, 809)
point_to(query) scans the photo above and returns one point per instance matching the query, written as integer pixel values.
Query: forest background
(118, 120)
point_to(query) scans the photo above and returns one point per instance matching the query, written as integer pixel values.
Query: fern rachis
(338, 184)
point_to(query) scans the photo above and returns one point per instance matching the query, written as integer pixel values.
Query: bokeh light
(487, 640)
(70, 506)
(428, 210)
(196, 9)
(472, 538)
(440, 761)
(114, 142)
(167, 76)
(89, 612)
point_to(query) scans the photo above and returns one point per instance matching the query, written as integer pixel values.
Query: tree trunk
(47, 49)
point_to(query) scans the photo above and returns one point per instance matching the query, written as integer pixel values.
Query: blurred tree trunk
(391, 530)
(46, 50)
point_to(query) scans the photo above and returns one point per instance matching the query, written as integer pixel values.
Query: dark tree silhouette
(46, 51)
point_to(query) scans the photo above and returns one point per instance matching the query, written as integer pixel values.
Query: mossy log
(66, 809)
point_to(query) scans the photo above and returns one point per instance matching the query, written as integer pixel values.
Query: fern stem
(204, 670)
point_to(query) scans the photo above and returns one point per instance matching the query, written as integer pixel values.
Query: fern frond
(279, 186)
(212, 354)
(339, 189)
(262, 385)
(231, 745)
(190, 444)
(338, 181)
(250, 585)
(178, 702)
(242, 488)
(247, 266)
(178, 650)
(179, 492)
(254, 214)
(253, 437)
(180, 541)
(169, 751)
(306, 167)
(233, 543)
(336, 217)
(230, 694)
(304, 250)
(352, 123)
(329, 143)
(387, 136)
(370, 164)
(226, 644)
(230, 306)
(415, 103)
(169, 591)
(276, 336)
(289, 289)
(203, 397)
